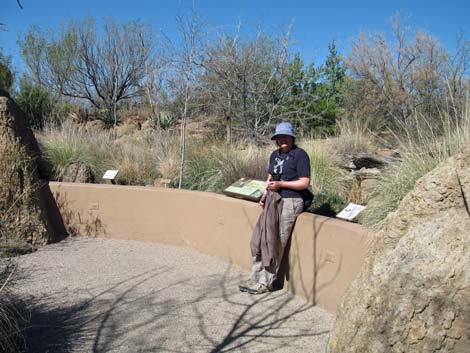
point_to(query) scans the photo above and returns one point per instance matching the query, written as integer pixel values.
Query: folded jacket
(265, 241)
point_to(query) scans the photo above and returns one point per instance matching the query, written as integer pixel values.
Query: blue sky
(316, 23)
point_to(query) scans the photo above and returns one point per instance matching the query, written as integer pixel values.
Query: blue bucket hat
(284, 128)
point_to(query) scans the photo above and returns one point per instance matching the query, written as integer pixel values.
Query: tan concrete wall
(325, 255)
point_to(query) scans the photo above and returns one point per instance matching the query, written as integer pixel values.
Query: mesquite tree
(79, 63)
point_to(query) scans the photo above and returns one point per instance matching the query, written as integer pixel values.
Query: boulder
(365, 160)
(23, 215)
(412, 294)
(78, 173)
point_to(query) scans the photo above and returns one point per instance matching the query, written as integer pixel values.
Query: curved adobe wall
(326, 254)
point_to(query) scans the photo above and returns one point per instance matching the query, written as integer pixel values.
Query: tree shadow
(157, 311)
(97, 323)
(311, 289)
(260, 321)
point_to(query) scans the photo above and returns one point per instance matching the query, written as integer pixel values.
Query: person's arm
(300, 184)
(263, 198)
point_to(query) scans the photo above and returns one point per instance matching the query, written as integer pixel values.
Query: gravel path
(101, 295)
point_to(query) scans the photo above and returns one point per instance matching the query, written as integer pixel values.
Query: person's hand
(263, 199)
(274, 185)
(261, 203)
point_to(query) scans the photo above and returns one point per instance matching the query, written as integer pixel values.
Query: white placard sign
(110, 174)
(350, 212)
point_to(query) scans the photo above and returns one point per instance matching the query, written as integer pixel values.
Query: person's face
(284, 142)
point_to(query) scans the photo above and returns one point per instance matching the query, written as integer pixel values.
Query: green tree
(315, 95)
(300, 103)
(6, 72)
(334, 73)
(331, 90)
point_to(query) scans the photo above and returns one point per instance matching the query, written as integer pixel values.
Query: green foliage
(313, 99)
(330, 183)
(109, 119)
(334, 73)
(36, 102)
(393, 186)
(327, 204)
(162, 120)
(201, 173)
(6, 72)
(102, 66)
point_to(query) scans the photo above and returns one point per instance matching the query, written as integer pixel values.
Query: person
(283, 200)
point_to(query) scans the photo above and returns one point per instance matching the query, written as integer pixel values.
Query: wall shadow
(73, 222)
(57, 225)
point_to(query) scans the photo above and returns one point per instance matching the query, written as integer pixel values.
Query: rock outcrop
(413, 293)
(78, 173)
(22, 212)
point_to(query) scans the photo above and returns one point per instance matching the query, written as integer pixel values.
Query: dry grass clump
(326, 174)
(353, 137)
(69, 143)
(11, 339)
(213, 166)
(423, 146)
(140, 158)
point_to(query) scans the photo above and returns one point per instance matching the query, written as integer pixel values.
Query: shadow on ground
(161, 310)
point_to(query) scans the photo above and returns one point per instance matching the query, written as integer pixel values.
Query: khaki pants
(291, 208)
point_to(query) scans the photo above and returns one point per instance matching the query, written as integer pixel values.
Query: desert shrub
(201, 173)
(327, 204)
(109, 118)
(422, 148)
(162, 120)
(37, 103)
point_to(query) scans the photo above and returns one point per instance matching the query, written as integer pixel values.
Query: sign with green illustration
(248, 189)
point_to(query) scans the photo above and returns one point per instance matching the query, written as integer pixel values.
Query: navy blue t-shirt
(290, 166)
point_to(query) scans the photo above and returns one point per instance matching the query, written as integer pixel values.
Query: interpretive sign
(350, 212)
(110, 174)
(248, 189)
